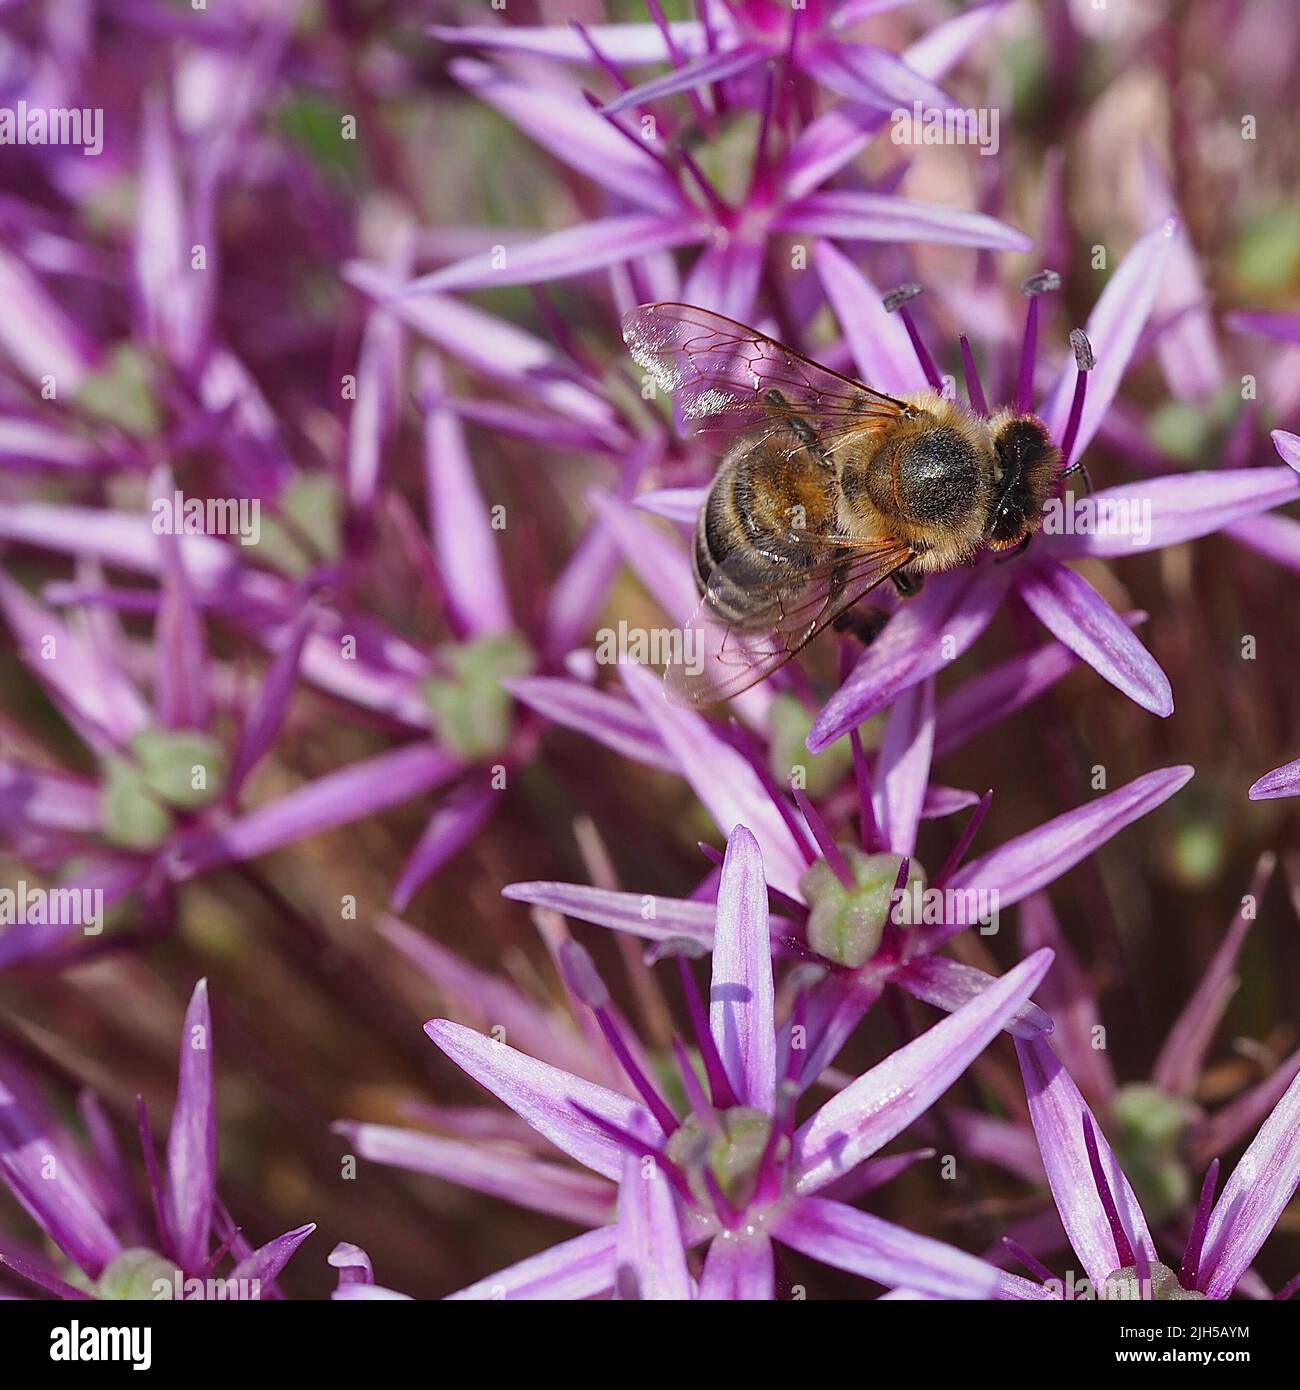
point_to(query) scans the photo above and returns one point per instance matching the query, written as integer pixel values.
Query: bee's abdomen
(722, 536)
(749, 529)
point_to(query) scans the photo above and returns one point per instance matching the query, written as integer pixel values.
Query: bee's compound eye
(937, 476)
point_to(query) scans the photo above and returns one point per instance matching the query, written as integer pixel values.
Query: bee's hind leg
(863, 621)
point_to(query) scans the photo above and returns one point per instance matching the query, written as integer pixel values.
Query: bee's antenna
(1084, 361)
(1045, 282)
(896, 302)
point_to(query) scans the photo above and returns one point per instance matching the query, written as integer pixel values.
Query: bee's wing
(722, 373)
(717, 661)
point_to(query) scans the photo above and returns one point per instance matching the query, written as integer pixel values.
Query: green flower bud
(122, 392)
(1150, 1126)
(788, 722)
(309, 529)
(468, 705)
(1124, 1285)
(313, 504)
(731, 1155)
(133, 1276)
(131, 815)
(846, 924)
(182, 767)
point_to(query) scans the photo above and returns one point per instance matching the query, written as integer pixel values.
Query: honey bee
(832, 489)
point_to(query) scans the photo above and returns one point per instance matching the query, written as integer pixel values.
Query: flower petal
(60, 1205)
(37, 334)
(583, 1267)
(709, 67)
(450, 828)
(950, 985)
(192, 1140)
(493, 347)
(94, 693)
(182, 698)
(1001, 690)
(837, 136)
(1113, 329)
(545, 1096)
(1252, 1199)
(725, 278)
(870, 1111)
(1285, 328)
(872, 76)
(615, 722)
(352, 1263)
(741, 1008)
(488, 998)
(1288, 447)
(575, 250)
(1277, 537)
(1057, 1112)
(849, 215)
(721, 777)
(265, 715)
(882, 351)
(646, 915)
(1182, 507)
(339, 798)
(902, 772)
(568, 128)
(1178, 1067)
(922, 637)
(863, 1244)
(650, 1252)
(459, 525)
(620, 43)
(1077, 615)
(739, 1268)
(524, 1179)
(1040, 856)
(660, 561)
(266, 1262)
(1067, 996)
(1282, 781)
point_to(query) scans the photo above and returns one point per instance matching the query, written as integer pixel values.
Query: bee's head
(1024, 474)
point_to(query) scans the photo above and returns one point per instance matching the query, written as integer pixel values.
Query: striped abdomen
(755, 525)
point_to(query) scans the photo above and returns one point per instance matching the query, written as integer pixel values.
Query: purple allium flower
(1104, 1220)
(1161, 1133)
(677, 204)
(839, 897)
(727, 43)
(165, 806)
(86, 1207)
(734, 1172)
